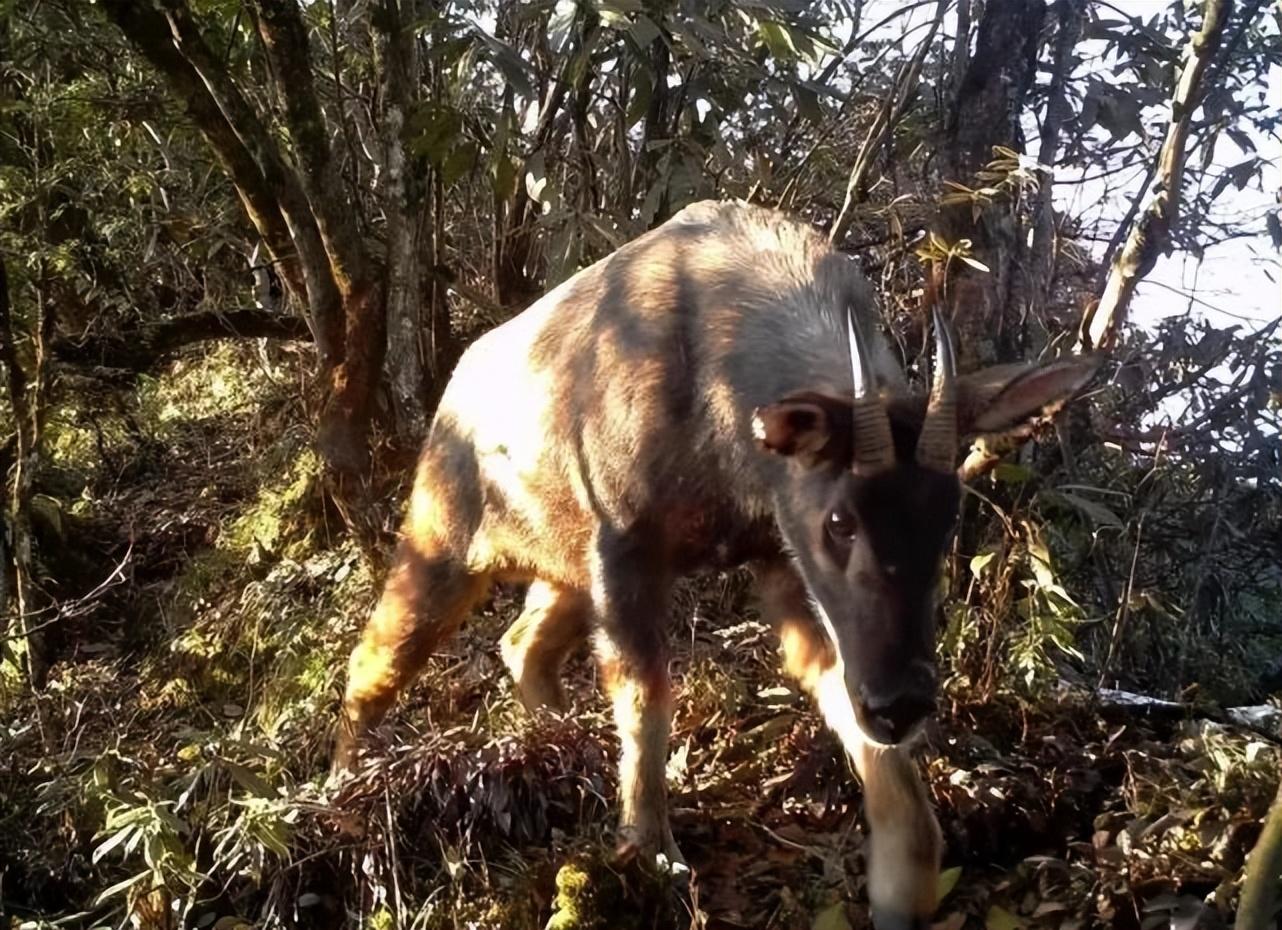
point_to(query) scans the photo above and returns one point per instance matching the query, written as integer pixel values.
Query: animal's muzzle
(890, 714)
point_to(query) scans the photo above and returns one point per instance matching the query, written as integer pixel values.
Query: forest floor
(172, 770)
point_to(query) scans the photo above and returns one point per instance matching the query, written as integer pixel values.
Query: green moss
(571, 909)
(381, 919)
(590, 896)
(217, 383)
(267, 521)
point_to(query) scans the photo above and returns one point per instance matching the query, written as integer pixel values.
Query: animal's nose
(892, 713)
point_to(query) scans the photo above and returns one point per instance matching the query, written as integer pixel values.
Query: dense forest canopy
(243, 244)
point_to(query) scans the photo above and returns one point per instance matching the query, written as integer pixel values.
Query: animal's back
(635, 379)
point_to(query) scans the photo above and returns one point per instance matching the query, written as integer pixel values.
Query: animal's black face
(868, 501)
(870, 550)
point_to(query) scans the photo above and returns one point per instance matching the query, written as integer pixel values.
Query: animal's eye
(841, 525)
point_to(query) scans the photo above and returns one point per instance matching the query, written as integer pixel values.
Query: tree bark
(987, 113)
(402, 200)
(344, 428)
(280, 23)
(959, 64)
(1150, 236)
(1070, 14)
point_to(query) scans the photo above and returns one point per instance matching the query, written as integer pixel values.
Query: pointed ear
(1010, 399)
(809, 427)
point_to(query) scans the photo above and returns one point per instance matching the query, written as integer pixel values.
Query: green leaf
(639, 105)
(538, 185)
(999, 918)
(459, 162)
(778, 6)
(510, 65)
(686, 34)
(1042, 572)
(249, 780)
(504, 177)
(947, 882)
(778, 38)
(644, 31)
(116, 840)
(807, 103)
(121, 886)
(432, 131)
(1010, 473)
(654, 198)
(979, 563)
(832, 917)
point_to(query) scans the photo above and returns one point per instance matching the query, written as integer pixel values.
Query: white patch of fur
(835, 701)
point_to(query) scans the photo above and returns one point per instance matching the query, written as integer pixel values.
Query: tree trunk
(344, 429)
(1150, 236)
(402, 202)
(26, 398)
(959, 64)
(987, 113)
(514, 218)
(323, 302)
(1069, 14)
(306, 219)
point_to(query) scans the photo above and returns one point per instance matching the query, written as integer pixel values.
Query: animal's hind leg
(904, 837)
(553, 622)
(426, 597)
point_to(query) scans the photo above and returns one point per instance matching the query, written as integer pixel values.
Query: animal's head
(870, 502)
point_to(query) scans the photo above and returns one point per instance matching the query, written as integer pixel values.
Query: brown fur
(601, 443)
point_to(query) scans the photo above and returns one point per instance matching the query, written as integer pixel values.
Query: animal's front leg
(904, 838)
(630, 593)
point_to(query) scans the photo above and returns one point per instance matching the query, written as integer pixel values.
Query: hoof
(661, 856)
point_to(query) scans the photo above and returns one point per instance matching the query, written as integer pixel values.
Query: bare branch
(890, 114)
(141, 348)
(1150, 235)
(1260, 889)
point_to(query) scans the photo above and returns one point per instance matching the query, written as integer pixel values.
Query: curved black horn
(874, 449)
(937, 444)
